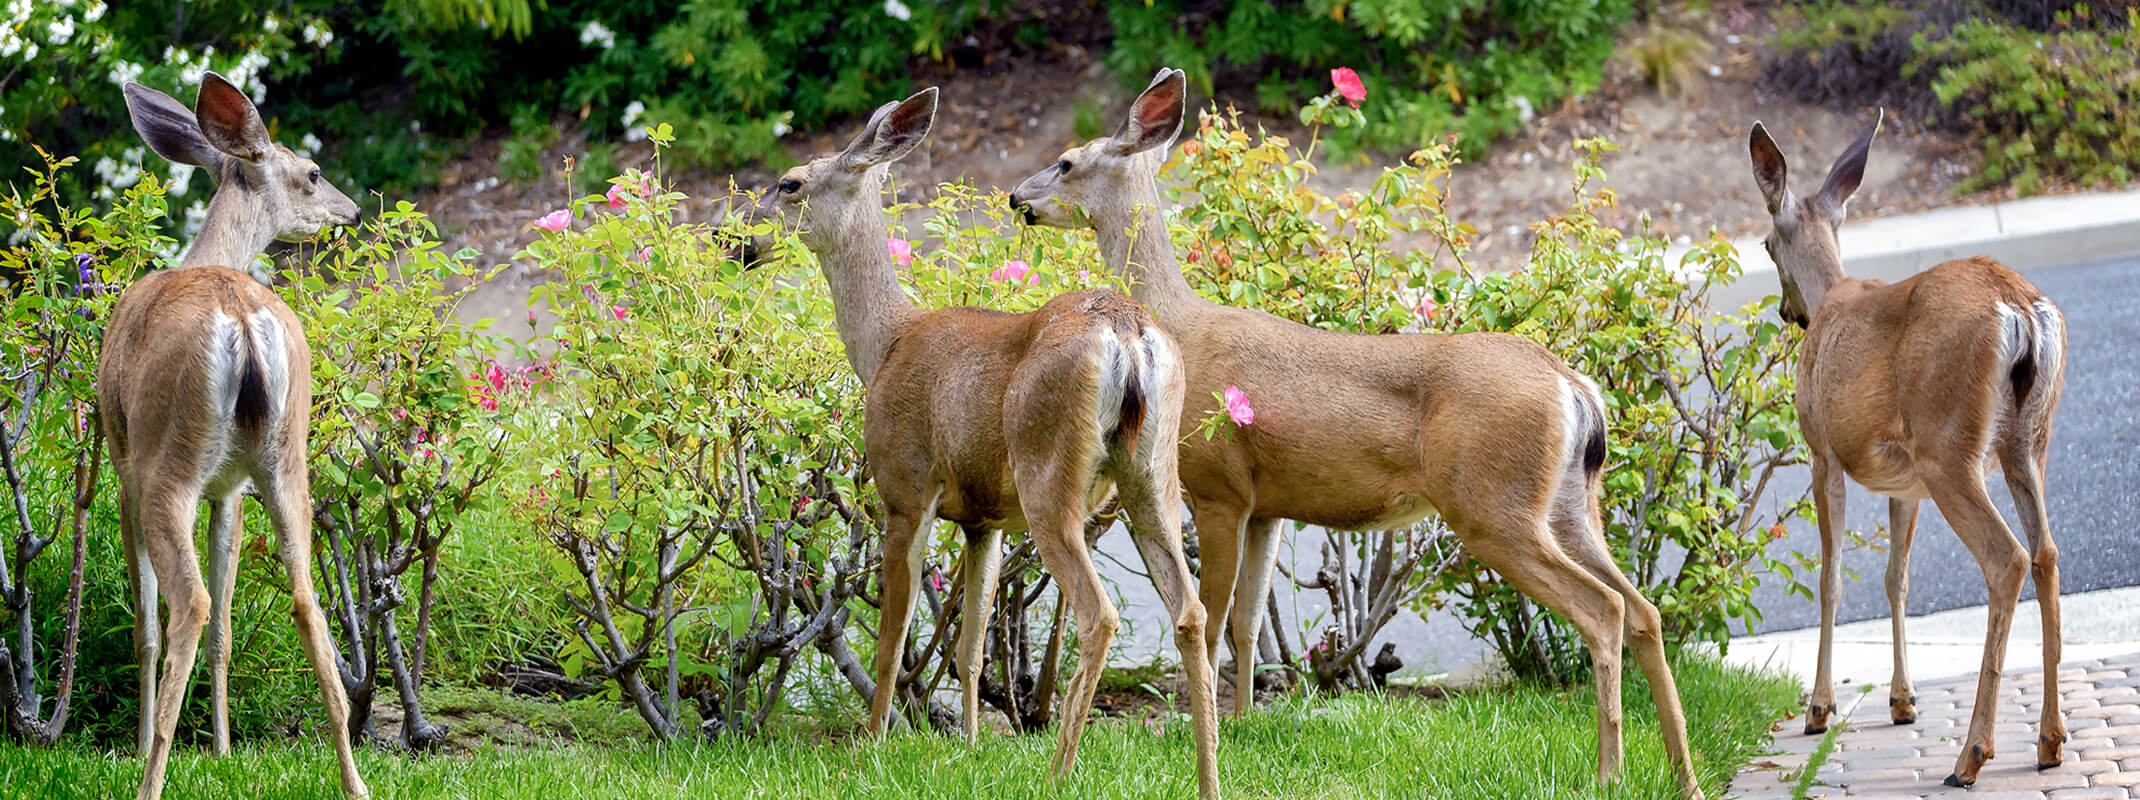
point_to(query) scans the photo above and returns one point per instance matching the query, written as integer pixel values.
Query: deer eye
(790, 186)
(314, 177)
(1064, 166)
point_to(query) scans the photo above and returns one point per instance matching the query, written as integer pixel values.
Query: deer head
(1107, 178)
(1803, 241)
(832, 201)
(264, 192)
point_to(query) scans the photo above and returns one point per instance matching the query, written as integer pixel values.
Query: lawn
(1516, 742)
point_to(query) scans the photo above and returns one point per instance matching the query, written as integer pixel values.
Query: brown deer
(1914, 390)
(999, 422)
(205, 390)
(1359, 432)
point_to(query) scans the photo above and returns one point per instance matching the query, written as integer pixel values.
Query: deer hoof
(1956, 781)
(1903, 710)
(1965, 773)
(2050, 751)
(1817, 718)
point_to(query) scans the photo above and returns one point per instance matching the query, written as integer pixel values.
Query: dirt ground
(1682, 158)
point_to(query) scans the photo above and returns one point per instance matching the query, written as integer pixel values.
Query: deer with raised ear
(1356, 432)
(999, 422)
(1914, 390)
(205, 390)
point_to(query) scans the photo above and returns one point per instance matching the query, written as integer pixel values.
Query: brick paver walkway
(1875, 758)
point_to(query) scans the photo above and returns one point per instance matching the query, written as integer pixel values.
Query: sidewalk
(2022, 234)
(2099, 683)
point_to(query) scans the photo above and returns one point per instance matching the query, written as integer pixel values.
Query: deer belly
(1402, 509)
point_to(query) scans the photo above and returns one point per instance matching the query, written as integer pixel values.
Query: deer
(1914, 389)
(1368, 432)
(998, 422)
(204, 389)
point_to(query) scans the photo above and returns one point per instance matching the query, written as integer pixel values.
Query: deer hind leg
(289, 509)
(1582, 538)
(1901, 532)
(1524, 551)
(1059, 535)
(1155, 523)
(2024, 479)
(166, 519)
(225, 522)
(1962, 500)
(1828, 496)
(1259, 558)
(905, 538)
(141, 581)
(984, 548)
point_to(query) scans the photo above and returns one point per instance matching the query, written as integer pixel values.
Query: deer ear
(168, 127)
(1769, 171)
(1155, 119)
(1848, 172)
(229, 121)
(894, 131)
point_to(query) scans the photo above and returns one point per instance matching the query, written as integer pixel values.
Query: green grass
(1519, 742)
(1810, 773)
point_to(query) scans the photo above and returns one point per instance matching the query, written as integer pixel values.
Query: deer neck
(1815, 281)
(232, 233)
(868, 306)
(1134, 243)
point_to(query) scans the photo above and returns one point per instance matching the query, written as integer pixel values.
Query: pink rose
(555, 221)
(902, 251)
(1348, 85)
(1237, 406)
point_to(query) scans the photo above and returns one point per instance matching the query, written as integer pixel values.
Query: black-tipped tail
(1131, 422)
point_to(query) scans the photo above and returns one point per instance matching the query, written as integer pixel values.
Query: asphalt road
(2094, 503)
(2094, 475)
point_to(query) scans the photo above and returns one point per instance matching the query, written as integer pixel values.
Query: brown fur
(1914, 389)
(199, 393)
(1001, 422)
(1357, 432)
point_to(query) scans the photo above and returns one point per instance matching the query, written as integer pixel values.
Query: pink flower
(531, 317)
(1015, 271)
(400, 414)
(1084, 275)
(556, 220)
(902, 251)
(620, 311)
(1348, 84)
(488, 401)
(936, 579)
(1426, 308)
(623, 186)
(643, 254)
(495, 375)
(1237, 406)
(616, 197)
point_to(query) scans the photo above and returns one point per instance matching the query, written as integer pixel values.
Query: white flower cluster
(59, 31)
(125, 71)
(94, 12)
(633, 133)
(116, 175)
(308, 145)
(897, 10)
(316, 33)
(195, 215)
(12, 43)
(595, 33)
(246, 75)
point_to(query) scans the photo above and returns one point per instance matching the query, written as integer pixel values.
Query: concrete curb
(2023, 234)
(1950, 643)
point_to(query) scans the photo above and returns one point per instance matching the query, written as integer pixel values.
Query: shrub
(2045, 88)
(1481, 68)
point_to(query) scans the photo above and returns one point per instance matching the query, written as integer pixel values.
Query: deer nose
(1015, 204)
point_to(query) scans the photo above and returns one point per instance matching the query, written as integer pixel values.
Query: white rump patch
(271, 350)
(225, 358)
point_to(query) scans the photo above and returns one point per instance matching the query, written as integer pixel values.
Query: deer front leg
(1828, 494)
(984, 545)
(1901, 530)
(1259, 553)
(903, 546)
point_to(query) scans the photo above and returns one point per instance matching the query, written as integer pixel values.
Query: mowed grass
(1517, 742)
